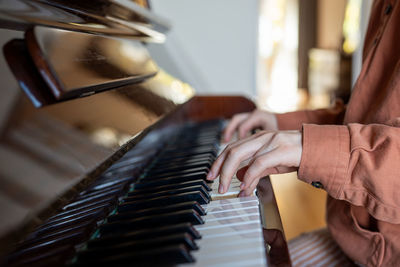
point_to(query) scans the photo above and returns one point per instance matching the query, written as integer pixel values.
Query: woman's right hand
(243, 123)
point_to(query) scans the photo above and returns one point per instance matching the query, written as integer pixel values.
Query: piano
(104, 155)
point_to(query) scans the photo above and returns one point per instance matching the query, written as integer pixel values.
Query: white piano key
(237, 257)
(232, 212)
(215, 246)
(233, 190)
(240, 201)
(238, 238)
(226, 233)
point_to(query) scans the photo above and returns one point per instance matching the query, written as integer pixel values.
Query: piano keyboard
(164, 214)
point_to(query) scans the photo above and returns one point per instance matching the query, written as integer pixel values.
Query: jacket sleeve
(356, 163)
(294, 120)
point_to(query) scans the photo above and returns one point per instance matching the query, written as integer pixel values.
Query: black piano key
(147, 233)
(171, 180)
(114, 191)
(100, 213)
(123, 214)
(165, 160)
(74, 212)
(65, 226)
(90, 201)
(187, 154)
(111, 182)
(121, 187)
(87, 226)
(87, 206)
(211, 144)
(37, 249)
(150, 190)
(169, 255)
(136, 197)
(180, 162)
(183, 216)
(172, 174)
(50, 242)
(176, 168)
(115, 180)
(96, 195)
(168, 200)
(139, 245)
(73, 236)
(190, 149)
(67, 223)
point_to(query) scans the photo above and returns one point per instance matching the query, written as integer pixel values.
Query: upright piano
(104, 155)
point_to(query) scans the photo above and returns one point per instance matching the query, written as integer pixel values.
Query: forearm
(294, 120)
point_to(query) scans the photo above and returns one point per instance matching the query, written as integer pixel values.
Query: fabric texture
(317, 249)
(354, 151)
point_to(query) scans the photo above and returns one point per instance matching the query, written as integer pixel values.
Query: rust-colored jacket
(354, 152)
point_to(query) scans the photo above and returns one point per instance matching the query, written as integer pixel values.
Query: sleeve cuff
(325, 156)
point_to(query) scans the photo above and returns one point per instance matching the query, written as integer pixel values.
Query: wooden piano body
(49, 157)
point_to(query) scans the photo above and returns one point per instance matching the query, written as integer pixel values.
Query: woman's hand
(268, 153)
(243, 123)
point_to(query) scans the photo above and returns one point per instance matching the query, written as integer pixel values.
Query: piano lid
(61, 64)
(75, 64)
(113, 17)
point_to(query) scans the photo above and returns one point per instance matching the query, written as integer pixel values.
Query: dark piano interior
(95, 135)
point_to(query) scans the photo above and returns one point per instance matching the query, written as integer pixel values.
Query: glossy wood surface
(25, 72)
(77, 64)
(116, 18)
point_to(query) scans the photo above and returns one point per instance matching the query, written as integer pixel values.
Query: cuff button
(317, 185)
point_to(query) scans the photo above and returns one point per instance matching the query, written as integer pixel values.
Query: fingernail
(209, 175)
(242, 185)
(220, 189)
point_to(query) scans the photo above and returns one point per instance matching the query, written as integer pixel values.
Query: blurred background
(283, 54)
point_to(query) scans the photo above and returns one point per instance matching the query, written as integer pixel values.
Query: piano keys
(167, 222)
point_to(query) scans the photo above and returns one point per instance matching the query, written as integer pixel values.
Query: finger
(252, 174)
(259, 164)
(250, 189)
(249, 124)
(233, 125)
(216, 167)
(235, 156)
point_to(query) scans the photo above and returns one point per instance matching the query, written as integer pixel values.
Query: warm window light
(351, 26)
(278, 42)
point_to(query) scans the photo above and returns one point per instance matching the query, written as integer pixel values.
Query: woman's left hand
(268, 153)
